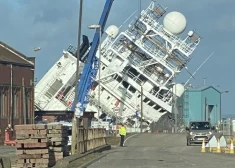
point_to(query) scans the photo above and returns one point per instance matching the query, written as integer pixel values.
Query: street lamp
(174, 105)
(226, 91)
(142, 106)
(75, 122)
(99, 63)
(36, 49)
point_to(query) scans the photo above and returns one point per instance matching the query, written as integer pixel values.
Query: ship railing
(133, 77)
(182, 45)
(151, 75)
(176, 40)
(124, 91)
(158, 95)
(148, 62)
(158, 54)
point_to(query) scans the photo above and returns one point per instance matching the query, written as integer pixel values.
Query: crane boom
(91, 65)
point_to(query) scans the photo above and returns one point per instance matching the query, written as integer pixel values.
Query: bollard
(231, 151)
(9, 136)
(203, 150)
(218, 150)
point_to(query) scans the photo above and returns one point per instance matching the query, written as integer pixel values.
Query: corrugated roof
(201, 88)
(8, 54)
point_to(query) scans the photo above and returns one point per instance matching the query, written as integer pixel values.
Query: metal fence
(227, 127)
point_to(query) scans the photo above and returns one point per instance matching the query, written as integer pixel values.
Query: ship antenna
(198, 68)
(127, 19)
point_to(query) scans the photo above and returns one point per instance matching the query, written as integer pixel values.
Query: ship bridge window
(119, 79)
(156, 107)
(132, 89)
(151, 103)
(54, 88)
(142, 78)
(125, 84)
(132, 70)
(146, 100)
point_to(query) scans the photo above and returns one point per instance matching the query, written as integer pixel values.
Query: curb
(92, 161)
(64, 163)
(105, 154)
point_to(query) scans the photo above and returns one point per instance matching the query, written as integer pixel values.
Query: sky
(53, 26)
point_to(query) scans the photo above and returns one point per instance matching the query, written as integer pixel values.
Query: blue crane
(91, 64)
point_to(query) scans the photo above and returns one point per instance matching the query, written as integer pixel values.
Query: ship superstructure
(146, 55)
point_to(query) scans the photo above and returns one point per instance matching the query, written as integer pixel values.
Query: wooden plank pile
(58, 140)
(40, 145)
(32, 146)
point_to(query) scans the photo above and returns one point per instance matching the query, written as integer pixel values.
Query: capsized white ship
(147, 54)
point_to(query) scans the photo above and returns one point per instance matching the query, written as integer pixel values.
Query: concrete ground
(10, 152)
(162, 151)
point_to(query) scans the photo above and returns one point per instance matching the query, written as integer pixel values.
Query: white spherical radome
(175, 22)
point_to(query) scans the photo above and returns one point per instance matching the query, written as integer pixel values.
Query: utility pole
(11, 109)
(174, 106)
(74, 124)
(141, 121)
(24, 100)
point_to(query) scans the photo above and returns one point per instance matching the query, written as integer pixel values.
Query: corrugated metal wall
(211, 105)
(192, 106)
(16, 115)
(201, 105)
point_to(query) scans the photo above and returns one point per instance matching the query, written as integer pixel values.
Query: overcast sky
(52, 25)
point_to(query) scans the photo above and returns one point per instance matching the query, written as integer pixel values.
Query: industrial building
(16, 87)
(200, 103)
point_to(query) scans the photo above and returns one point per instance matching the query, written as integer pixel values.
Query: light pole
(36, 49)
(141, 121)
(174, 105)
(99, 64)
(74, 121)
(226, 91)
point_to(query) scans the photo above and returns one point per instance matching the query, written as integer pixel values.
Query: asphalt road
(162, 151)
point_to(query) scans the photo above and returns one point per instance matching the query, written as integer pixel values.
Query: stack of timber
(58, 140)
(40, 145)
(32, 146)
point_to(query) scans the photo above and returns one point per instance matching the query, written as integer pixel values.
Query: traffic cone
(231, 147)
(203, 146)
(210, 148)
(218, 150)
